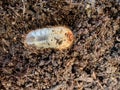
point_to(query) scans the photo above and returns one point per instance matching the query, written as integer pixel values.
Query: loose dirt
(91, 63)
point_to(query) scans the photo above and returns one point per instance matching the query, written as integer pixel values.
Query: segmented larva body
(58, 37)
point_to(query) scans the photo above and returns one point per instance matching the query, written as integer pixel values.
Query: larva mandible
(58, 37)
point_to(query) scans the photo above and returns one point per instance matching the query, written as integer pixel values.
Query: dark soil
(93, 61)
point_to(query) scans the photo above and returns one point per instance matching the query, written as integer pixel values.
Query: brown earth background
(93, 61)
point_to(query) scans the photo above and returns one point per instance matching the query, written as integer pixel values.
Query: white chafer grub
(58, 37)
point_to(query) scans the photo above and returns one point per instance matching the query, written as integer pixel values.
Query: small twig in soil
(14, 11)
(58, 87)
(23, 7)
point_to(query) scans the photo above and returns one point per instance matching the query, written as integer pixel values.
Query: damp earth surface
(91, 63)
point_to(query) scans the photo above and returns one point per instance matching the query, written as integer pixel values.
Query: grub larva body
(58, 37)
